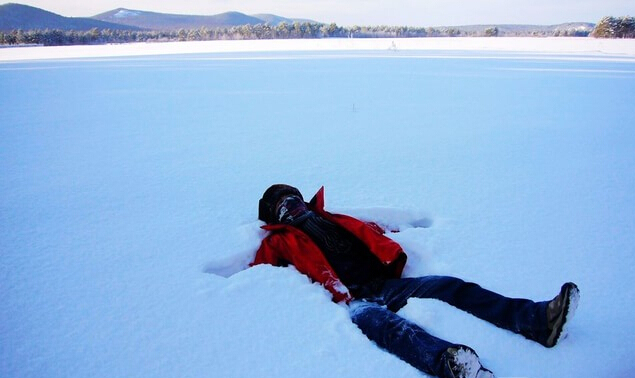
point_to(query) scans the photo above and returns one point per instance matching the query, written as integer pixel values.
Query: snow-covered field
(561, 46)
(129, 186)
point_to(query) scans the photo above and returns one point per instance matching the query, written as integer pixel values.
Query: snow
(125, 13)
(564, 47)
(130, 176)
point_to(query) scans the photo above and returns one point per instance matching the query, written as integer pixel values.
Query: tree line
(609, 27)
(55, 37)
(615, 27)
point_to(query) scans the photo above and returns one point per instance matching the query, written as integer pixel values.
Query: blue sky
(371, 12)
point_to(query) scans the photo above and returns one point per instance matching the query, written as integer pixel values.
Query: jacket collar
(317, 202)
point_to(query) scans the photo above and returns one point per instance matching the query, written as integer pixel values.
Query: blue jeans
(374, 309)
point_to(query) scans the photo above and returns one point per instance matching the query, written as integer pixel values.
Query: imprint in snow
(390, 218)
(245, 240)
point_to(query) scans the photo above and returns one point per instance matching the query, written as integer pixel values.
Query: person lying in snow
(361, 267)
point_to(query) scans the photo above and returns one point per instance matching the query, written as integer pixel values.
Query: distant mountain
(165, 21)
(272, 19)
(18, 16)
(511, 29)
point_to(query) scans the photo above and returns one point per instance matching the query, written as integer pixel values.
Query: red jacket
(288, 244)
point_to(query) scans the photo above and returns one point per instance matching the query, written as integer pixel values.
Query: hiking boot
(560, 311)
(462, 362)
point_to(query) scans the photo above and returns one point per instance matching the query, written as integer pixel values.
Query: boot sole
(560, 332)
(470, 364)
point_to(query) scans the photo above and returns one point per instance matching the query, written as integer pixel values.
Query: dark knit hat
(269, 200)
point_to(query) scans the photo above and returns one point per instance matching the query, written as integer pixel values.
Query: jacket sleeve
(276, 249)
(377, 228)
(267, 253)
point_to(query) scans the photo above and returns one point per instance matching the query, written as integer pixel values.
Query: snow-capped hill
(24, 17)
(165, 21)
(125, 13)
(275, 20)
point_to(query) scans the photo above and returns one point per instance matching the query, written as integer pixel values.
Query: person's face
(290, 207)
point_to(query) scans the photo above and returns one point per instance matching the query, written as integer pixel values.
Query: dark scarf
(349, 257)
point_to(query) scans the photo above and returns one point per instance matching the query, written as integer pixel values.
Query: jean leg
(400, 337)
(521, 316)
